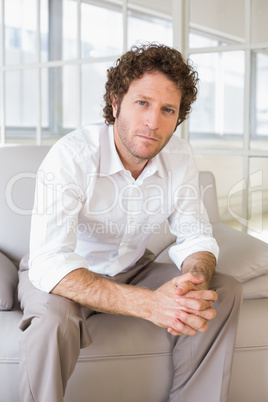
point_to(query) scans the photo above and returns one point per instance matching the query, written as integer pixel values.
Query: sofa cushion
(252, 330)
(256, 288)
(8, 283)
(241, 255)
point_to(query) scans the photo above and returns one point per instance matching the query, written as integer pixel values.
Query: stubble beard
(128, 143)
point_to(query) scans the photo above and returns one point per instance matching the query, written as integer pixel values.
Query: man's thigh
(50, 310)
(155, 275)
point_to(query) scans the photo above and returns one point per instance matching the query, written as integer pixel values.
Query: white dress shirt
(89, 211)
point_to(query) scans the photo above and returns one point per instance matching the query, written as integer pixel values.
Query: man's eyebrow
(170, 105)
(148, 98)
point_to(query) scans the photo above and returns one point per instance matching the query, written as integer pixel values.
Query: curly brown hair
(146, 59)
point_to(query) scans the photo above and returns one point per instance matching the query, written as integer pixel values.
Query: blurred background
(53, 60)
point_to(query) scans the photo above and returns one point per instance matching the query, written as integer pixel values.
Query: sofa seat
(249, 382)
(9, 354)
(117, 360)
(116, 356)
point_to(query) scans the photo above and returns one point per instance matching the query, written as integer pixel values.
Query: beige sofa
(129, 361)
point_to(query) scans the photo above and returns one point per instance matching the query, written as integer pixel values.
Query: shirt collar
(159, 165)
(111, 163)
(154, 165)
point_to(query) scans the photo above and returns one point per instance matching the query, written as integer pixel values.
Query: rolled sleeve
(179, 252)
(46, 271)
(189, 221)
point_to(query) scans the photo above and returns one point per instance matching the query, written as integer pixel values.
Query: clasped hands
(185, 305)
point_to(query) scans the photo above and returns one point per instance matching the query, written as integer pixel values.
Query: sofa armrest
(8, 282)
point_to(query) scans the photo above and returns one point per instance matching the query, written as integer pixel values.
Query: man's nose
(153, 119)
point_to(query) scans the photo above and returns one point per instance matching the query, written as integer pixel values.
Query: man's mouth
(145, 137)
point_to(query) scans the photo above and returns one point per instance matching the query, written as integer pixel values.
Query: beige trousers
(53, 330)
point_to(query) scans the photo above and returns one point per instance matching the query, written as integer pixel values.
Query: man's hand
(188, 308)
(195, 300)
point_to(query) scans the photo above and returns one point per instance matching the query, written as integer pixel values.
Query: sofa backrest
(18, 166)
(208, 195)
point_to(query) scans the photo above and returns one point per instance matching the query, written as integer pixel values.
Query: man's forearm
(159, 306)
(200, 264)
(100, 294)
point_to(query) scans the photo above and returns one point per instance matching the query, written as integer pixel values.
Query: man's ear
(114, 106)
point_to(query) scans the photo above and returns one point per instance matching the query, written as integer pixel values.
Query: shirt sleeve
(189, 222)
(59, 197)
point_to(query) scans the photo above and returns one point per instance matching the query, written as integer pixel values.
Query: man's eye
(142, 103)
(168, 110)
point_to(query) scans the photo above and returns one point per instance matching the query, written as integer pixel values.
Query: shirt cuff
(45, 272)
(180, 252)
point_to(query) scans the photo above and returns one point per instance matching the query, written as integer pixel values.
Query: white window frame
(245, 152)
(39, 133)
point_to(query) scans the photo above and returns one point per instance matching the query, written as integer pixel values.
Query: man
(100, 192)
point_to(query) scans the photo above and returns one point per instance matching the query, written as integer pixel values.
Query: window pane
(198, 40)
(59, 101)
(260, 115)
(21, 98)
(69, 29)
(69, 97)
(222, 20)
(213, 122)
(20, 31)
(142, 28)
(52, 107)
(93, 82)
(1, 42)
(159, 6)
(101, 31)
(21, 105)
(45, 102)
(44, 30)
(259, 18)
(228, 172)
(258, 198)
(58, 30)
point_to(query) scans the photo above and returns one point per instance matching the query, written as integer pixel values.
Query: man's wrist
(202, 264)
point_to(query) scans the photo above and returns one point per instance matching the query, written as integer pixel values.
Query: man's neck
(135, 168)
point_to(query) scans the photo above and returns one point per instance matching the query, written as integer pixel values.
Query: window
(101, 30)
(221, 92)
(147, 28)
(259, 132)
(57, 53)
(228, 127)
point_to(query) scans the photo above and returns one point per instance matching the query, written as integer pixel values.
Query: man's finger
(194, 304)
(209, 295)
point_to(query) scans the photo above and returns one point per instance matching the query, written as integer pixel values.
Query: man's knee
(157, 274)
(229, 289)
(50, 312)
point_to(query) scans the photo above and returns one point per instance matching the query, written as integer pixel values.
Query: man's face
(148, 115)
